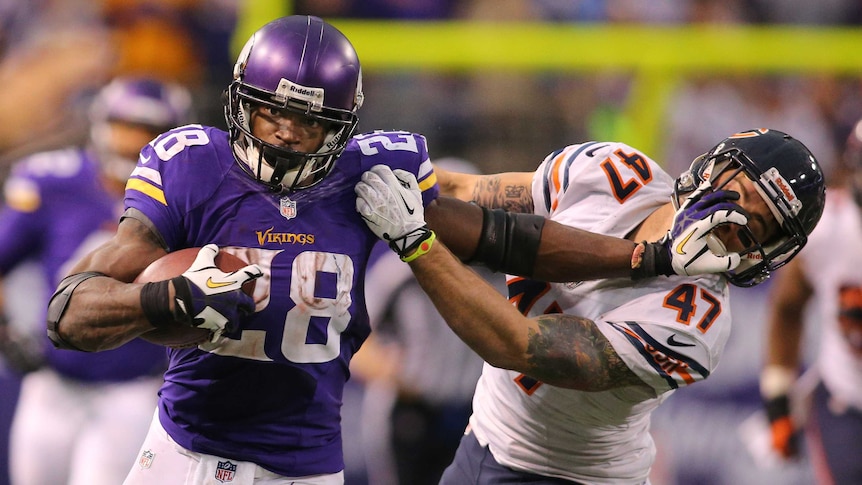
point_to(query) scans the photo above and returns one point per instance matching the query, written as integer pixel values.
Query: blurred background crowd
(56, 54)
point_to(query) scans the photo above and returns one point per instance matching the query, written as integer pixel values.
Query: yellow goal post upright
(656, 56)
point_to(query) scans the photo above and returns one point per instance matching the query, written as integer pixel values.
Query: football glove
(776, 384)
(207, 297)
(390, 202)
(19, 350)
(689, 248)
(785, 438)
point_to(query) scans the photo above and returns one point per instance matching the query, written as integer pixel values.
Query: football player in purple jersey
(87, 412)
(259, 402)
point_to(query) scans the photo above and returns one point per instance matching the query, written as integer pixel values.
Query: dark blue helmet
(302, 64)
(787, 177)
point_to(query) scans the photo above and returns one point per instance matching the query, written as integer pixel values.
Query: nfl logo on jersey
(287, 208)
(225, 471)
(146, 459)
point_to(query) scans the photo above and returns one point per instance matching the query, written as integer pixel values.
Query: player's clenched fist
(205, 296)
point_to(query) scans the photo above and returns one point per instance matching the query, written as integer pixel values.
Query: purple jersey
(56, 210)
(271, 392)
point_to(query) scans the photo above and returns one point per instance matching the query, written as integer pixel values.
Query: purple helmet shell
(302, 64)
(145, 101)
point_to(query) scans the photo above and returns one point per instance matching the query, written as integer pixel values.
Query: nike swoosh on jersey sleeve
(675, 368)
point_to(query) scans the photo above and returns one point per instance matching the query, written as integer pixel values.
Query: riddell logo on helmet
(290, 90)
(785, 189)
(304, 91)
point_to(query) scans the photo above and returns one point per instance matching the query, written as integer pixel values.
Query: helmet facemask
(279, 167)
(759, 258)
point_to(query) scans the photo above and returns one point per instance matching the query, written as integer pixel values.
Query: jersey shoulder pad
(53, 172)
(399, 150)
(47, 167)
(597, 168)
(182, 167)
(671, 338)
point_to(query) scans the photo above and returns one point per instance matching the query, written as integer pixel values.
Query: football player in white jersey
(827, 276)
(574, 369)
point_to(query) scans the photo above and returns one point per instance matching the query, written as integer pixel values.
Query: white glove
(693, 248)
(390, 202)
(207, 297)
(689, 247)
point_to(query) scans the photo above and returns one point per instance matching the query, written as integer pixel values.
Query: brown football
(174, 264)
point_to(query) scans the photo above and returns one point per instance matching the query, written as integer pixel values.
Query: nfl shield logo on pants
(287, 207)
(225, 471)
(146, 459)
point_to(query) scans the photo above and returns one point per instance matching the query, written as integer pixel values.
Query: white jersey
(832, 260)
(669, 331)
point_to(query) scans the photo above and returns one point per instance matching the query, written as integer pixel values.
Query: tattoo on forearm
(491, 193)
(571, 351)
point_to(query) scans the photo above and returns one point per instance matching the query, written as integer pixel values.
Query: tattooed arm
(569, 351)
(561, 350)
(509, 191)
(564, 253)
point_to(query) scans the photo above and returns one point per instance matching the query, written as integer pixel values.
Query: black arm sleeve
(58, 303)
(509, 242)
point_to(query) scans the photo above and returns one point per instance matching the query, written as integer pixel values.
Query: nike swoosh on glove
(693, 249)
(689, 248)
(207, 297)
(390, 202)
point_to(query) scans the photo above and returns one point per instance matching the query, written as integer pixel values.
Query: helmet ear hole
(691, 178)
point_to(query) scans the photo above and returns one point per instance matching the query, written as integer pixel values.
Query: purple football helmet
(302, 64)
(788, 179)
(143, 101)
(151, 106)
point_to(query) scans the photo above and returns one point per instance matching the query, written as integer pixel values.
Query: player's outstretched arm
(558, 349)
(509, 191)
(562, 350)
(97, 309)
(524, 244)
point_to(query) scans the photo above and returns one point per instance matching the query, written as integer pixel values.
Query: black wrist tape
(655, 260)
(777, 408)
(156, 303)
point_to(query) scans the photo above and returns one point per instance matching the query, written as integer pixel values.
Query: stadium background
(503, 92)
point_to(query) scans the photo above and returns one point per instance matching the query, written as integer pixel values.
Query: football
(174, 264)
